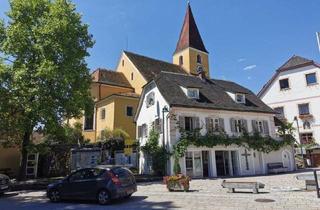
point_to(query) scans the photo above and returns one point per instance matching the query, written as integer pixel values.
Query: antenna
(318, 39)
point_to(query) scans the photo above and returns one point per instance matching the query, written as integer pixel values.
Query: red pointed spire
(189, 35)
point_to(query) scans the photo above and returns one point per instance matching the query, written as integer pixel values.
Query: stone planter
(177, 183)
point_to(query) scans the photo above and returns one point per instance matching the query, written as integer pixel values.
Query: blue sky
(247, 40)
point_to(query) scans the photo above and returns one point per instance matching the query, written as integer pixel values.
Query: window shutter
(146, 130)
(139, 131)
(221, 124)
(208, 124)
(181, 122)
(244, 124)
(265, 127)
(254, 126)
(160, 125)
(232, 125)
(196, 123)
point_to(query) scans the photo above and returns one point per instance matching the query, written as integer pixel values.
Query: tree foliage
(47, 79)
(158, 153)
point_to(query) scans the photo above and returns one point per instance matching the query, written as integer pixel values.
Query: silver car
(4, 183)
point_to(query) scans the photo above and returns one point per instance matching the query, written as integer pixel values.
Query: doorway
(205, 163)
(286, 160)
(222, 163)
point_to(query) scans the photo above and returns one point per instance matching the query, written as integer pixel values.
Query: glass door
(189, 164)
(197, 164)
(235, 163)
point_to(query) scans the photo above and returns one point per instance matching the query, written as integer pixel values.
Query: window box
(305, 116)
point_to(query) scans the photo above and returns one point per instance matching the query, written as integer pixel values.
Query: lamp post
(298, 130)
(165, 109)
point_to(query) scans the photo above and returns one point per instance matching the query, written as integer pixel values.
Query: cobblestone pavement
(283, 190)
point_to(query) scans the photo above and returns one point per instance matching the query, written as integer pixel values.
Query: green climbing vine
(255, 141)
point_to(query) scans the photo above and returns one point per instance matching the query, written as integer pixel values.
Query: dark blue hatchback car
(102, 183)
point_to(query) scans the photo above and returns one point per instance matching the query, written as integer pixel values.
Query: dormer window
(240, 98)
(193, 93)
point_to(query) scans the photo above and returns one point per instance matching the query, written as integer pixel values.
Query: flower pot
(177, 183)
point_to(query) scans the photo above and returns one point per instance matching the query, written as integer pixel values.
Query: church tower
(190, 52)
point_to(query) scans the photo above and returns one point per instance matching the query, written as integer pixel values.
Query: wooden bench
(309, 180)
(276, 168)
(254, 186)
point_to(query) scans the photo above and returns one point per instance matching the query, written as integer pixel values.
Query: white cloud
(249, 67)
(241, 60)
(249, 78)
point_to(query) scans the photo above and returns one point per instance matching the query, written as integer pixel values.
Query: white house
(197, 102)
(294, 92)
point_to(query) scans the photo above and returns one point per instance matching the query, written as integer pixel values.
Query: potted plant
(178, 181)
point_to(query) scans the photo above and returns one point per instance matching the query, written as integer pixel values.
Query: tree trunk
(24, 155)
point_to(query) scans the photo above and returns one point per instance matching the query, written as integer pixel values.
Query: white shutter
(254, 126)
(221, 124)
(244, 124)
(232, 125)
(182, 122)
(265, 127)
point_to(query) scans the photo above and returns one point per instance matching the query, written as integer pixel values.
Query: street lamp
(165, 109)
(301, 150)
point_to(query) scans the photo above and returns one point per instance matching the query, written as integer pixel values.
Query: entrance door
(235, 163)
(286, 159)
(222, 163)
(197, 164)
(205, 163)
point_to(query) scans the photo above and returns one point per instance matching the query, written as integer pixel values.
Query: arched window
(180, 60)
(199, 59)
(122, 62)
(132, 76)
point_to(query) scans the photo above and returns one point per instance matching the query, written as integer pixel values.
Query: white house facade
(193, 102)
(294, 92)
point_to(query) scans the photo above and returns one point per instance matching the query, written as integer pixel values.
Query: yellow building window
(103, 114)
(180, 60)
(199, 60)
(129, 111)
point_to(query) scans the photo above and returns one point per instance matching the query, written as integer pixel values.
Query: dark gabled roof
(190, 35)
(212, 93)
(293, 63)
(127, 95)
(150, 68)
(110, 77)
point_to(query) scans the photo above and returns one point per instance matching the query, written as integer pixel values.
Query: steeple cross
(246, 155)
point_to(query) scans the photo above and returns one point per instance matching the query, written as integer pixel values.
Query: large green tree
(45, 78)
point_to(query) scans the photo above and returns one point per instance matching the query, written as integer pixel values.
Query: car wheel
(103, 197)
(128, 196)
(54, 196)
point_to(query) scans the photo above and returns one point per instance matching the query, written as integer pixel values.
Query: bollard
(316, 180)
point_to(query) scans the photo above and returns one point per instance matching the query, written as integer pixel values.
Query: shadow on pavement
(8, 195)
(41, 202)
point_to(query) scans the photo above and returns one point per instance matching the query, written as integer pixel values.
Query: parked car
(101, 183)
(4, 183)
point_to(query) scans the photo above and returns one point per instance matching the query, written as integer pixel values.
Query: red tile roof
(189, 35)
